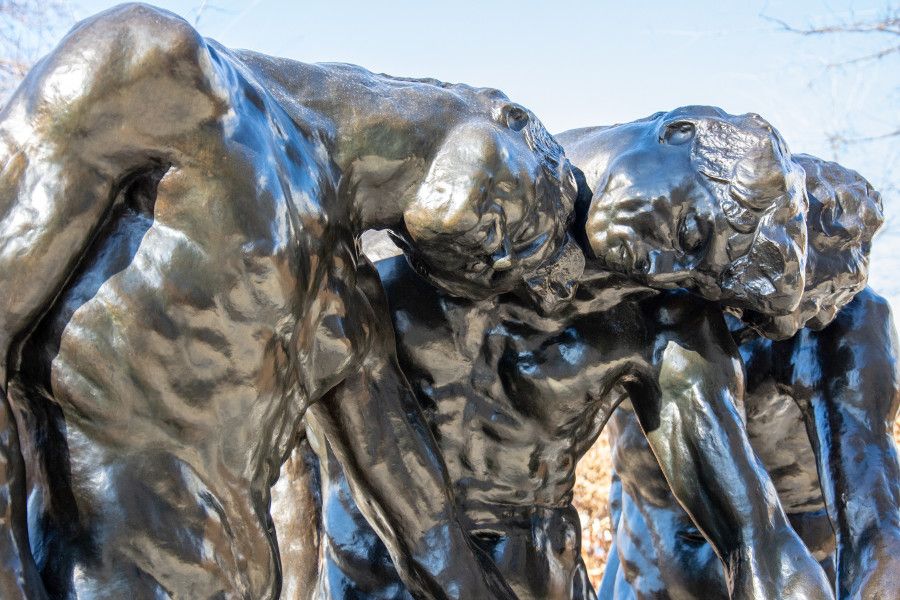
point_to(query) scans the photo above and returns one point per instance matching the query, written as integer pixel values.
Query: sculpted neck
(383, 132)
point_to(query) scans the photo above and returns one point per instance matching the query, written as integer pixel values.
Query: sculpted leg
(700, 441)
(610, 574)
(847, 384)
(666, 556)
(355, 562)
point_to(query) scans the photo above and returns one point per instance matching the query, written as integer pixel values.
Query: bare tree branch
(200, 11)
(889, 25)
(866, 57)
(845, 136)
(838, 138)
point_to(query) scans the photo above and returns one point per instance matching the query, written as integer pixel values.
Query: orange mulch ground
(591, 500)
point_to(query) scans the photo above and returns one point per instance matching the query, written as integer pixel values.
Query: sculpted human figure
(828, 363)
(182, 284)
(515, 398)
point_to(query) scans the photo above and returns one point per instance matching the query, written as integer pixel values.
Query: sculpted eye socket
(679, 132)
(516, 118)
(691, 233)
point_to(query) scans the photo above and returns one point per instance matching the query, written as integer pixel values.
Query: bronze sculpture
(515, 398)
(182, 283)
(179, 248)
(827, 367)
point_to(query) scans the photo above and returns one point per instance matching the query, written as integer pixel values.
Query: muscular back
(167, 367)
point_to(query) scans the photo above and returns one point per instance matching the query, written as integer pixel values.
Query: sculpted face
(699, 199)
(844, 214)
(494, 206)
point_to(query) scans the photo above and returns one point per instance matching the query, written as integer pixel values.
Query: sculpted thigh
(661, 553)
(355, 562)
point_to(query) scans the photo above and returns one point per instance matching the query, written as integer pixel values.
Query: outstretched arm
(696, 432)
(852, 389)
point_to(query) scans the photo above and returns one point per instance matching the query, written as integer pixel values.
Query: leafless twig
(886, 24)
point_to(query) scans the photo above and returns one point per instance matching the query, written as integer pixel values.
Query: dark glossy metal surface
(515, 398)
(186, 315)
(835, 378)
(699, 199)
(182, 284)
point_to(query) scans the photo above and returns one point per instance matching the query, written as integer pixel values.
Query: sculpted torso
(514, 400)
(513, 405)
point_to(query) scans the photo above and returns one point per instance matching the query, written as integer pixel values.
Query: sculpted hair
(844, 214)
(748, 168)
(556, 167)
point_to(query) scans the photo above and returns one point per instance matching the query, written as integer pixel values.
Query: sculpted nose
(760, 178)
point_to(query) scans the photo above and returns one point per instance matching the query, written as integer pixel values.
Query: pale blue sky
(578, 63)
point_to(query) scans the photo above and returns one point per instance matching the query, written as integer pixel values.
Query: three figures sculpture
(208, 391)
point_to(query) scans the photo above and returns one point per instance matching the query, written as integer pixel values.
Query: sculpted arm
(851, 370)
(698, 437)
(375, 428)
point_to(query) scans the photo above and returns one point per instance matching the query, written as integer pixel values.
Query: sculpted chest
(561, 374)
